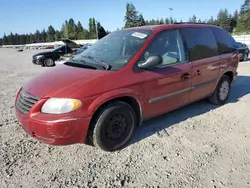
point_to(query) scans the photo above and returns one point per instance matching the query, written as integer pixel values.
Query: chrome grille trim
(25, 102)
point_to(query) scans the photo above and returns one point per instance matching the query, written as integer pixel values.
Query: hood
(54, 81)
(42, 53)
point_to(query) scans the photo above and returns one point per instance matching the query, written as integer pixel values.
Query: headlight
(60, 105)
(39, 56)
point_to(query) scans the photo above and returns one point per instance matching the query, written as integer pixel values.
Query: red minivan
(129, 76)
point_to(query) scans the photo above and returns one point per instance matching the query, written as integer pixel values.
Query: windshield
(56, 48)
(117, 48)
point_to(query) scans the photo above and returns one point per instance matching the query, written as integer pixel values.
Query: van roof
(172, 26)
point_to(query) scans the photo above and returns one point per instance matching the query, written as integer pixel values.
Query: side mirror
(151, 61)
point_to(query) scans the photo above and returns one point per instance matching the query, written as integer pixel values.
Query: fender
(107, 96)
(221, 74)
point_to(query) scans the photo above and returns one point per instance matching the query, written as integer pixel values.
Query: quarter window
(169, 45)
(201, 43)
(224, 40)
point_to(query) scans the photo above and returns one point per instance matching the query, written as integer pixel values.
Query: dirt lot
(200, 145)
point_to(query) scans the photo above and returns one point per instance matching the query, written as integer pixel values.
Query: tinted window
(201, 43)
(169, 45)
(225, 40)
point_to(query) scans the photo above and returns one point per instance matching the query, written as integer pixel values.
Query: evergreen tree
(80, 31)
(50, 34)
(245, 7)
(16, 39)
(27, 39)
(101, 31)
(90, 26)
(141, 21)
(131, 16)
(166, 21)
(22, 39)
(11, 39)
(72, 29)
(5, 40)
(43, 36)
(223, 20)
(194, 19)
(65, 29)
(94, 28)
(58, 35)
(243, 24)
(38, 36)
(32, 38)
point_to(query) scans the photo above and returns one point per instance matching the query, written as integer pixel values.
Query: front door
(167, 86)
(166, 89)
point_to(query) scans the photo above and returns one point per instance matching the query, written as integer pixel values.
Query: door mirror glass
(151, 61)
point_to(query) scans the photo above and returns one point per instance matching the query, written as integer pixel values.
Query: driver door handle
(185, 76)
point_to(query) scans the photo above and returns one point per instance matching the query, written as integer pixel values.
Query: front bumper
(36, 61)
(54, 129)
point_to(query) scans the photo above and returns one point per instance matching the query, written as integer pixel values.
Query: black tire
(113, 126)
(217, 97)
(49, 62)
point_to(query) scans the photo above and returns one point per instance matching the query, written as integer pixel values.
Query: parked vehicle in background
(48, 58)
(243, 50)
(83, 48)
(128, 76)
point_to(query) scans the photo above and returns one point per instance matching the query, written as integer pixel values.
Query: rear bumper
(52, 130)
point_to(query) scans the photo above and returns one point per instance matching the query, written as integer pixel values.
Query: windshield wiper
(105, 65)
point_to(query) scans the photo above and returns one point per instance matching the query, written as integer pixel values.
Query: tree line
(237, 23)
(70, 30)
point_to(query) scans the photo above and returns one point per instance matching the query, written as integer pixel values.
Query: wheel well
(129, 100)
(230, 75)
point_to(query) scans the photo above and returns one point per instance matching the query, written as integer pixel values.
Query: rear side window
(201, 43)
(224, 40)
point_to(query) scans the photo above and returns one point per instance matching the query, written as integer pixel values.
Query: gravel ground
(200, 145)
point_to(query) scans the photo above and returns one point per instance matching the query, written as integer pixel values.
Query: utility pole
(170, 11)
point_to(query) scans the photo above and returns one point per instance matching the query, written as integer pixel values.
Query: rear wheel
(48, 62)
(114, 126)
(222, 91)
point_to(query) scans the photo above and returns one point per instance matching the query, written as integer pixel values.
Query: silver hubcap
(49, 62)
(224, 90)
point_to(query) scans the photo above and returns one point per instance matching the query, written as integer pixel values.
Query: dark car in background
(48, 58)
(83, 48)
(243, 50)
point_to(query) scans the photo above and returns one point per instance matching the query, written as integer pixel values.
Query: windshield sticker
(139, 35)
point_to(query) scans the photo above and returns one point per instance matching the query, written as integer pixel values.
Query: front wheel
(114, 126)
(222, 91)
(48, 62)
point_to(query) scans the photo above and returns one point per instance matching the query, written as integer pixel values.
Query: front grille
(25, 102)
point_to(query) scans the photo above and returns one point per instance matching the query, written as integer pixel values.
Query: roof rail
(191, 23)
